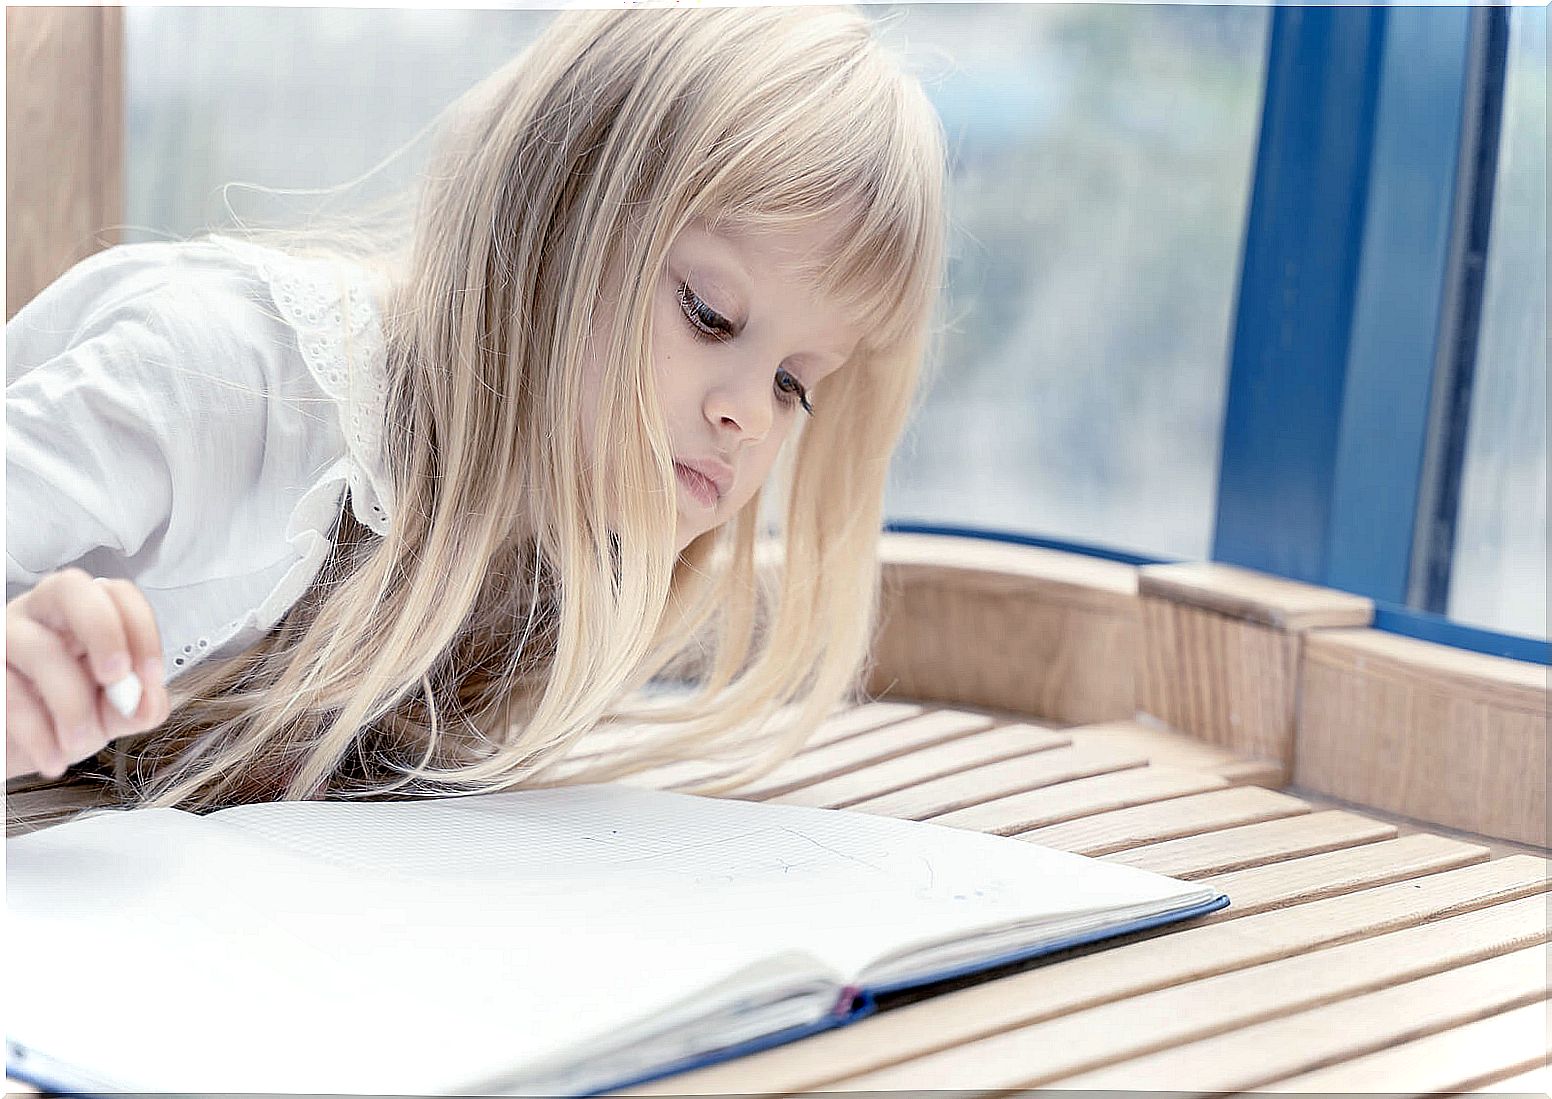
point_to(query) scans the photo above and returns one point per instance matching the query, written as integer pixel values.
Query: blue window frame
(1359, 303)
(1358, 300)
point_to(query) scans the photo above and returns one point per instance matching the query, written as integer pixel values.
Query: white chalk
(125, 694)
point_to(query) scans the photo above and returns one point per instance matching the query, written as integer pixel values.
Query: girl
(408, 515)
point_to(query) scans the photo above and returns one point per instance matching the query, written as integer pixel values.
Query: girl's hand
(66, 640)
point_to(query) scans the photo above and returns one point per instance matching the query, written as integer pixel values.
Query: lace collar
(332, 306)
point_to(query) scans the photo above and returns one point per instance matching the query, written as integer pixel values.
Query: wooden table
(1358, 954)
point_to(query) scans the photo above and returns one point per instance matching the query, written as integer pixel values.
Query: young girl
(409, 516)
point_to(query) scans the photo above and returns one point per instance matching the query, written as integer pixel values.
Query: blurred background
(1103, 159)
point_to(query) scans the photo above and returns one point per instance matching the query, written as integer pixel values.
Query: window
(1499, 573)
(1101, 159)
(287, 98)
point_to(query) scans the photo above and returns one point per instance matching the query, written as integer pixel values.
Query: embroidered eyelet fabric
(131, 412)
(339, 335)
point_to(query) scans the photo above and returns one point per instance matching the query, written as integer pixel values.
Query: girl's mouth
(698, 485)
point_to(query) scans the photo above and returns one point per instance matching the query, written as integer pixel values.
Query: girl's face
(739, 343)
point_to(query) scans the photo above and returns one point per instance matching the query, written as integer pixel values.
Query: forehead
(791, 255)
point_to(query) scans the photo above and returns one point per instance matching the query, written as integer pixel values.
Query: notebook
(562, 941)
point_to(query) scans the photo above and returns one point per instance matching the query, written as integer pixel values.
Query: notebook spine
(847, 1000)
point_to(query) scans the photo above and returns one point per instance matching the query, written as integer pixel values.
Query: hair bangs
(859, 147)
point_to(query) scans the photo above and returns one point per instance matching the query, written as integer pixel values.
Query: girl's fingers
(29, 731)
(92, 651)
(79, 609)
(73, 729)
(145, 648)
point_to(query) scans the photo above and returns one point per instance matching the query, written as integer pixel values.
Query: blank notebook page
(596, 849)
(414, 946)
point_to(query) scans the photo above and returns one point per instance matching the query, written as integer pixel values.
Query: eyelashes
(791, 390)
(708, 324)
(702, 316)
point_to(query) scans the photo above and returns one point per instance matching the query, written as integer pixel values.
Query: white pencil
(125, 694)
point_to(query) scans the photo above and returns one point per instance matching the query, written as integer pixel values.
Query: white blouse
(189, 415)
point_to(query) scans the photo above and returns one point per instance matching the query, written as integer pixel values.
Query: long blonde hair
(521, 597)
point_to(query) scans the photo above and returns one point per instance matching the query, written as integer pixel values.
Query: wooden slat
(1004, 569)
(1259, 1055)
(1536, 1082)
(1163, 745)
(1256, 596)
(1334, 873)
(1052, 767)
(609, 737)
(936, 727)
(1113, 974)
(1080, 798)
(815, 763)
(959, 754)
(1104, 833)
(863, 718)
(1077, 1041)
(845, 722)
(1427, 731)
(1254, 844)
(1254, 772)
(1459, 673)
(1458, 1059)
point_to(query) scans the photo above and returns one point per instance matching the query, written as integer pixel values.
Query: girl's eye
(702, 317)
(712, 325)
(792, 391)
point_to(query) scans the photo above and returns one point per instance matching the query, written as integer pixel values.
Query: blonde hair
(522, 597)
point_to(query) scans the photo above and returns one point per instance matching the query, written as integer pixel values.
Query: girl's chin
(689, 535)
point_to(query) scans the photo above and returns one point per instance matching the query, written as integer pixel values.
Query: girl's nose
(742, 407)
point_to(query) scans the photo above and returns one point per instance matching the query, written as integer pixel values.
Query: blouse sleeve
(162, 427)
(90, 460)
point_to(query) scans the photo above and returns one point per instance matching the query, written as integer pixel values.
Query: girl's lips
(698, 485)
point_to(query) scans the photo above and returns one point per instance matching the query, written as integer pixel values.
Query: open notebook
(561, 941)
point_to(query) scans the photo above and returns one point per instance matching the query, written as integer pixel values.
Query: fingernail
(125, 695)
(116, 666)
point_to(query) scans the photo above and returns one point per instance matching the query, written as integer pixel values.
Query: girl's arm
(90, 486)
(163, 429)
(88, 477)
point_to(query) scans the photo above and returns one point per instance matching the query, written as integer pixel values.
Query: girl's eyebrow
(728, 269)
(724, 259)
